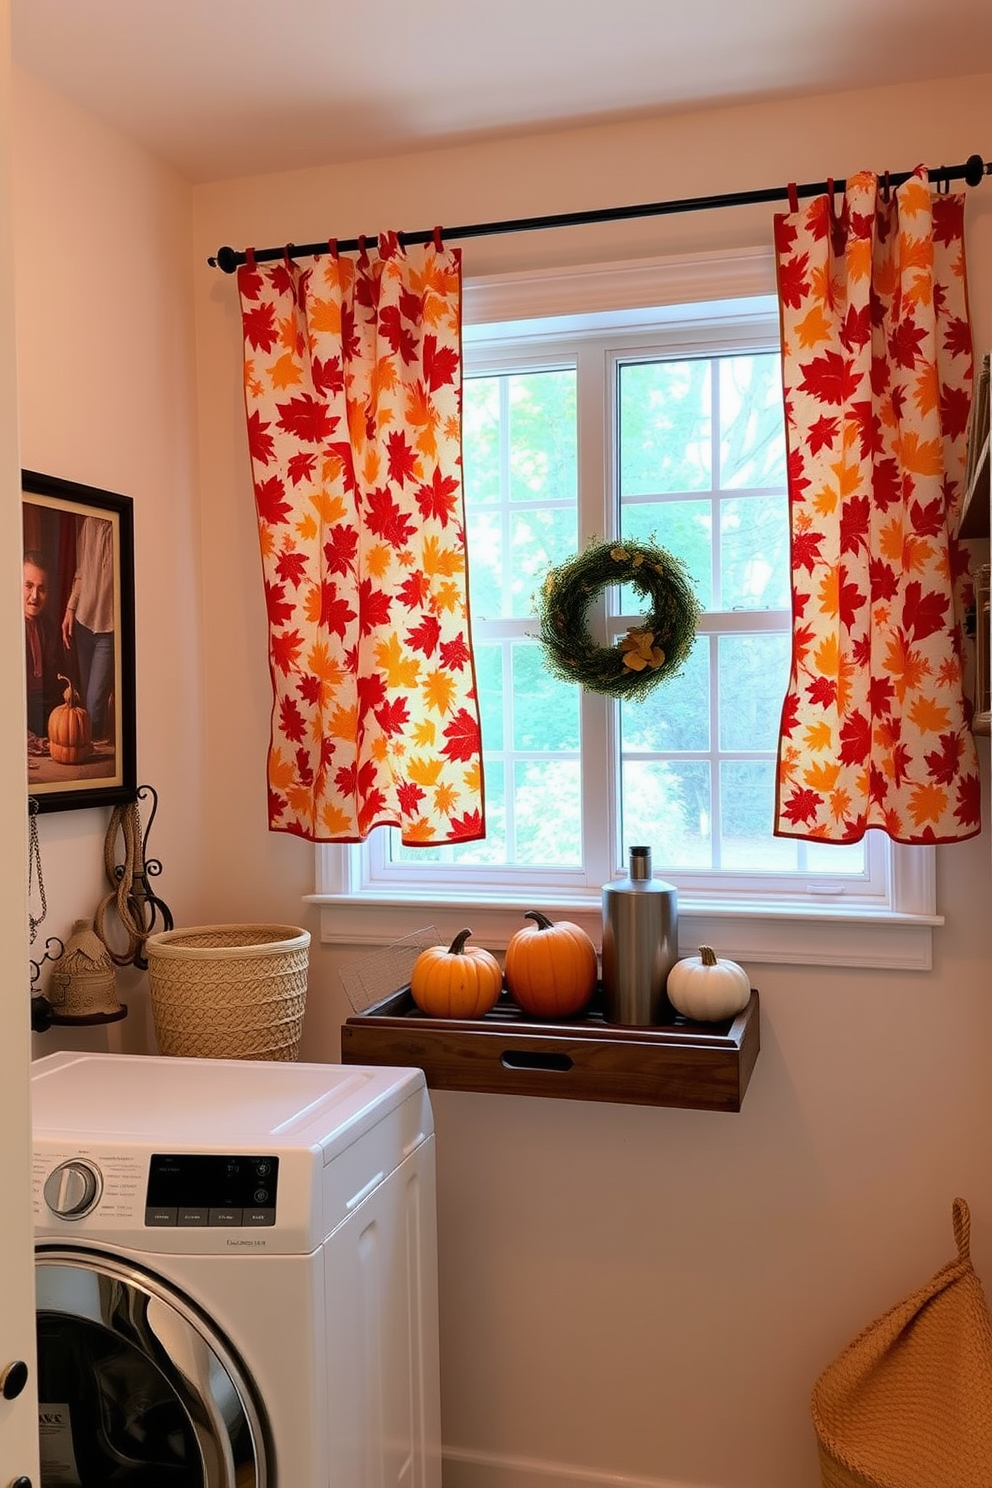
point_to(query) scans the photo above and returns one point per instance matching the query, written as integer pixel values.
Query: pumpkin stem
(707, 955)
(457, 946)
(541, 920)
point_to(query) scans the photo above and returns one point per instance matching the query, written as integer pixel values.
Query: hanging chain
(34, 871)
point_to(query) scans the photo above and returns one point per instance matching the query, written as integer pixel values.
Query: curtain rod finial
(226, 259)
(974, 169)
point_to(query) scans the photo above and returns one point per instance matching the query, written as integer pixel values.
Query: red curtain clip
(438, 244)
(332, 247)
(250, 258)
(287, 256)
(793, 197)
(832, 199)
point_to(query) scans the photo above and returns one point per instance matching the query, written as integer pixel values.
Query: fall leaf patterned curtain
(353, 402)
(877, 372)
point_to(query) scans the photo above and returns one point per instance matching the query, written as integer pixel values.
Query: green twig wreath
(650, 652)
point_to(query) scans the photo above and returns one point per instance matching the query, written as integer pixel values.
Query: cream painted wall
(105, 350)
(631, 1294)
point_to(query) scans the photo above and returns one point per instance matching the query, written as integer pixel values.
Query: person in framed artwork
(88, 622)
(43, 651)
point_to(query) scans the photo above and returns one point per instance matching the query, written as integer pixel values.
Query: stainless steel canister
(640, 944)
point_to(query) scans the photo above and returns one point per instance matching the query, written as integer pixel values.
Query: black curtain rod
(971, 172)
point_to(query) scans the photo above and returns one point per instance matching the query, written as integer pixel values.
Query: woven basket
(909, 1403)
(229, 991)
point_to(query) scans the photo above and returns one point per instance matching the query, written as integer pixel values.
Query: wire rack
(369, 979)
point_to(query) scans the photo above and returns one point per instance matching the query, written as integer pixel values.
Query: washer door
(135, 1387)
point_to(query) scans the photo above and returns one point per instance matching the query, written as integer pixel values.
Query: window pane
(747, 799)
(666, 804)
(665, 427)
(492, 848)
(542, 436)
(481, 439)
(548, 813)
(752, 428)
(520, 447)
(484, 535)
(674, 715)
(545, 710)
(489, 683)
(684, 528)
(754, 553)
(753, 671)
(538, 541)
(829, 859)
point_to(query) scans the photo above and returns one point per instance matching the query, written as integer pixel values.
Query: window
(662, 427)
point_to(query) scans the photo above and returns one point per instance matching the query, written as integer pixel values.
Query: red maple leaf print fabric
(877, 372)
(353, 401)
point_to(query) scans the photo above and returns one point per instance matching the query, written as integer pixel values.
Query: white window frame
(360, 907)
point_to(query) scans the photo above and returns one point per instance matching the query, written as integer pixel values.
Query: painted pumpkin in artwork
(69, 732)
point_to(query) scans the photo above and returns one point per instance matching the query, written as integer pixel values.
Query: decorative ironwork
(139, 909)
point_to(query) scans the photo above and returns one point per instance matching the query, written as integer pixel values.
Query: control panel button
(225, 1218)
(256, 1218)
(161, 1216)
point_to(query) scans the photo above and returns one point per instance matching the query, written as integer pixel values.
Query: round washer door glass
(135, 1388)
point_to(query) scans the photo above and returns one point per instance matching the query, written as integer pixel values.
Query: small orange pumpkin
(69, 732)
(460, 982)
(550, 967)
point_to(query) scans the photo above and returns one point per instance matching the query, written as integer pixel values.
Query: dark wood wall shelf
(698, 1066)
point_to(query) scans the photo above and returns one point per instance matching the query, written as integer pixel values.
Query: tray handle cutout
(535, 1059)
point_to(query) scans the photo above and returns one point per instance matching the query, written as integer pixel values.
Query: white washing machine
(236, 1268)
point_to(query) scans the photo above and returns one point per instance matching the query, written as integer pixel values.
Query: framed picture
(79, 643)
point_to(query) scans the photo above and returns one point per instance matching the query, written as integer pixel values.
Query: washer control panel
(196, 1189)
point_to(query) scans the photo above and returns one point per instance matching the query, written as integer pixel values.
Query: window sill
(792, 935)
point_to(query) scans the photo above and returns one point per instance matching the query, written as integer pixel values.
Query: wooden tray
(703, 1066)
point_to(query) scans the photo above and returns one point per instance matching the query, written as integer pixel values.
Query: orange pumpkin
(69, 732)
(461, 982)
(550, 967)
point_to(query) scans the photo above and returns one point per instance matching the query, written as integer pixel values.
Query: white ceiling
(223, 88)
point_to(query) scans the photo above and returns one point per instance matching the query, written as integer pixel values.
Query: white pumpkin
(706, 988)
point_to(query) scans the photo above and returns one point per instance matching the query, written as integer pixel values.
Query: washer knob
(73, 1188)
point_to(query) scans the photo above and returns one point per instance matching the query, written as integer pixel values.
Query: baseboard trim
(464, 1468)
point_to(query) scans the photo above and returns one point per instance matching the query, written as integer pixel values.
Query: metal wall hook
(138, 908)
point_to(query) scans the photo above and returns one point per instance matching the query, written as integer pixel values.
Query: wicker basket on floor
(908, 1404)
(229, 991)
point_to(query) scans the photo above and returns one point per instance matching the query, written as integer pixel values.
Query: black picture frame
(78, 549)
